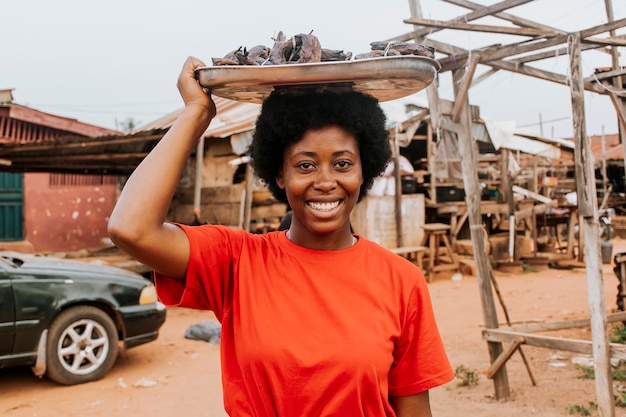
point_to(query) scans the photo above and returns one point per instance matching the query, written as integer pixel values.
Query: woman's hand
(190, 90)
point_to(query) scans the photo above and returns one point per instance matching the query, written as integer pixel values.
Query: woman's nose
(325, 179)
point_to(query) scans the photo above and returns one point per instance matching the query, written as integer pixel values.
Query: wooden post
(197, 185)
(247, 200)
(507, 189)
(432, 93)
(469, 163)
(398, 193)
(588, 210)
(618, 103)
(472, 197)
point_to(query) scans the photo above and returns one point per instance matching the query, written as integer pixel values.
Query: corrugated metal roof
(232, 117)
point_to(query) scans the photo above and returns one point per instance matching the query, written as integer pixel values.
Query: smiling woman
(320, 152)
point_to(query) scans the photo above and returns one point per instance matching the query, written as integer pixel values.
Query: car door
(7, 312)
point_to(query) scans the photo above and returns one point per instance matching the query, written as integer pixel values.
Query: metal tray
(386, 78)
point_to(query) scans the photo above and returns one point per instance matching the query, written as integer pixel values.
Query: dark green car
(67, 319)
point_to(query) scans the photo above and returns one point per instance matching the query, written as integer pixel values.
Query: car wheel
(82, 346)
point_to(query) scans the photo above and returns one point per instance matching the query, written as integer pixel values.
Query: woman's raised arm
(137, 224)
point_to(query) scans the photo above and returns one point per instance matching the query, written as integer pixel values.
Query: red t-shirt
(308, 332)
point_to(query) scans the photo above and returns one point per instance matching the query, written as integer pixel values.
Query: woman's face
(322, 176)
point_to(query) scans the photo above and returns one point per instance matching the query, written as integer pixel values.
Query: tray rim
(262, 78)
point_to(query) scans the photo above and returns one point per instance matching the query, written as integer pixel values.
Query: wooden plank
(504, 356)
(477, 14)
(585, 347)
(530, 194)
(618, 104)
(408, 249)
(587, 208)
(505, 30)
(461, 56)
(540, 74)
(561, 325)
(506, 16)
(463, 91)
(483, 267)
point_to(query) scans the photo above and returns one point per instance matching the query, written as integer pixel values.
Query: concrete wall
(65, 218)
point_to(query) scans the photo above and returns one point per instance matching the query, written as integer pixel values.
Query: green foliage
(582, 410)
(618, 373)
(466, 376)
(620, 399)
(587, 372)
(618, 334)
(128, 125)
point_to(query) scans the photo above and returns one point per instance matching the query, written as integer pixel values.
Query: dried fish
(304, 48)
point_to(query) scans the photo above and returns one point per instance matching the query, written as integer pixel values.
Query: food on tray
(306, 48)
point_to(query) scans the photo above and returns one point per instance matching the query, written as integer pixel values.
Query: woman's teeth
(324, 206)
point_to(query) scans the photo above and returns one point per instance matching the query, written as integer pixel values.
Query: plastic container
(606, 248)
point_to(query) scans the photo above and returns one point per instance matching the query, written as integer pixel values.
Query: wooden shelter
(539, 42)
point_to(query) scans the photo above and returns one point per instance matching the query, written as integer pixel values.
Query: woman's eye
(305, 165)
(343, 164)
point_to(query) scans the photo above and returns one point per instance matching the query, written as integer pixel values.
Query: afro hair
(285, 117)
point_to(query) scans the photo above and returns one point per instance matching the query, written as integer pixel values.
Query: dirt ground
(178, 376)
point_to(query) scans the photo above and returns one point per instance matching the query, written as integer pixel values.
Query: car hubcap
(83, 347)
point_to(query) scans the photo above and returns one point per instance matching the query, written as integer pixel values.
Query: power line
(545, 121)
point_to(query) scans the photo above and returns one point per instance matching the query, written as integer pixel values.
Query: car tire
(82, 346)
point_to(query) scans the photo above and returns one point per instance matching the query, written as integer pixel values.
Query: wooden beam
(605, 41)
(530, 194)
(458, 57)
(603, 28)
(567, 324)
(468, 149)
(588, 209)
(519, 48)
(556, 53)
(69, 142)
(477, 14)
(503, 30)
(618, 104)
(504, 356)
(521, 22)
(550, 342)
(541, 74)
(482, 77)
(72, 158)
(461, 97)
(607, 74)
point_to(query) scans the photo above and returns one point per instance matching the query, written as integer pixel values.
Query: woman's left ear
(280, 181)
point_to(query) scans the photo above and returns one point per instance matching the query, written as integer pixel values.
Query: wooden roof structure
(538, 42)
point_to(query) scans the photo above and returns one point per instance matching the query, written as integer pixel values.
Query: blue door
(11, 206)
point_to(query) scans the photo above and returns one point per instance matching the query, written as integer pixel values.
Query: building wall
(66, 217)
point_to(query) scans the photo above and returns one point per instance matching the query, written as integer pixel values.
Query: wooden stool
(412, 253)
(434, 233)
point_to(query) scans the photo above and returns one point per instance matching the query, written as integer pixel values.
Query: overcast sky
(107, 61)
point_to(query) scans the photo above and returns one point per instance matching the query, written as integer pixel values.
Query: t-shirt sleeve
(420, 359)
(209, 271)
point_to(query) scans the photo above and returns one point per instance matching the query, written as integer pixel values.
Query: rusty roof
(113, 153)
